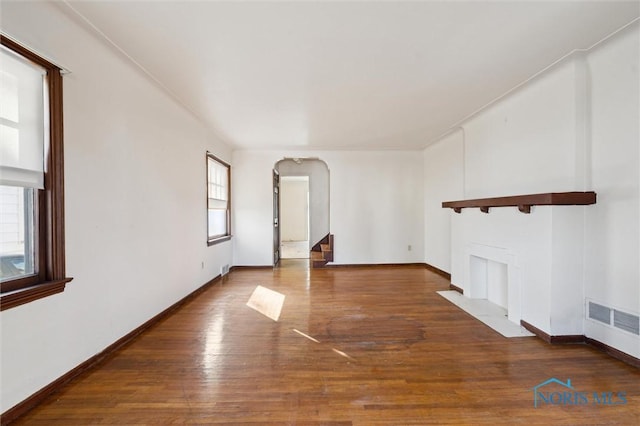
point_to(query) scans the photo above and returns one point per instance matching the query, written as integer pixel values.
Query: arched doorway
(316, 173)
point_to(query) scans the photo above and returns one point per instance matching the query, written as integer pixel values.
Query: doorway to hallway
(294, 217)
(315, 214)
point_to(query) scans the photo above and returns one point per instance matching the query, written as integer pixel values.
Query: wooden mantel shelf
(524, 202)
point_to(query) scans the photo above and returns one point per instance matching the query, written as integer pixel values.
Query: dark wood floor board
(388, 351)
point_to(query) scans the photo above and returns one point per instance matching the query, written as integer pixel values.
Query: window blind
(23, 121)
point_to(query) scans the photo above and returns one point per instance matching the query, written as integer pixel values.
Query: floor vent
(224, 270)
(626, 322)
(599, 313)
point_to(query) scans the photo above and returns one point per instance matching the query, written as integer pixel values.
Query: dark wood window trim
(218, 240)
(227, 237)
(51, 277)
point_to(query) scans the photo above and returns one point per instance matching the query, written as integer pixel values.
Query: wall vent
(614, 318)
(626, 322)
(599, 313)
(224, 270)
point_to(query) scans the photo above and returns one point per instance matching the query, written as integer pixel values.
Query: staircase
(322, 252)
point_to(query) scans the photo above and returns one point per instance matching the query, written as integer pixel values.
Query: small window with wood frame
(32, 259)
(218, 200)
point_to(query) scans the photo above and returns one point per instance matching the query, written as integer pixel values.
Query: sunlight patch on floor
(343, 354)
(305, 335)
(489, 313)
(267, 302)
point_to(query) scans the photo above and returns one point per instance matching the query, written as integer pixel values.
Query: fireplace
(492, 273)
(527, 259)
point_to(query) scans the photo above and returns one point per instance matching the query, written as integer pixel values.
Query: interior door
(276, 217)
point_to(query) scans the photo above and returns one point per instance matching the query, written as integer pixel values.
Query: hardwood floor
(360, 346)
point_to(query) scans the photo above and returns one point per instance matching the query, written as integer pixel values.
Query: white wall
(612, 275)
(135, 206)
(524, 144)
(575, 127)
(294, 204)
(376, 201)
(443, 181)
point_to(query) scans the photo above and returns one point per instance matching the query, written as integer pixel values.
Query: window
(32, 263)
(218, 200)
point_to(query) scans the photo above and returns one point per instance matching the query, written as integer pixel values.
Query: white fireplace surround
(531, 264)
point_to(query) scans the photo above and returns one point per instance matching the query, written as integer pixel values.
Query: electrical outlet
(409, 247)
(202, 265)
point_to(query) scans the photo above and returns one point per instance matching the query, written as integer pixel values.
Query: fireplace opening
(489, 280)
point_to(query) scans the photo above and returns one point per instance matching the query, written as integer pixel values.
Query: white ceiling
(346, 75)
